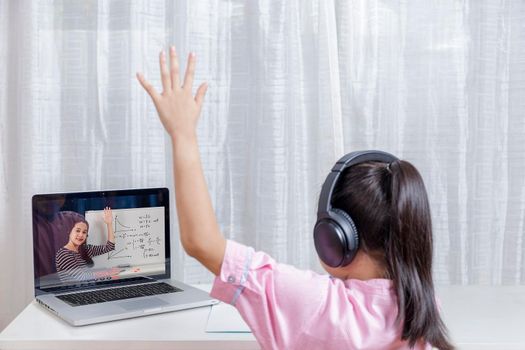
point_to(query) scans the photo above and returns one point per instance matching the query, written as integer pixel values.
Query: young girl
(383, 299)
(73, 260)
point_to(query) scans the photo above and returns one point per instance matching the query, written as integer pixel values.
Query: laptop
(84, 278)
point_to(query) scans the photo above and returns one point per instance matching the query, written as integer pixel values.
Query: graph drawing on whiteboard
(139, 236)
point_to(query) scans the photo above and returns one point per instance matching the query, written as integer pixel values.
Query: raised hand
(108, 216)
(179, 112)
(178, 109)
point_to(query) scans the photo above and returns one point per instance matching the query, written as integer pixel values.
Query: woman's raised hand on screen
(108, 216)
(178, 109)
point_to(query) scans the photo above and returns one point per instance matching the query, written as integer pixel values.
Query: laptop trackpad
(145, 304)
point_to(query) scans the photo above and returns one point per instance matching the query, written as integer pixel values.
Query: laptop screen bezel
(161, 193)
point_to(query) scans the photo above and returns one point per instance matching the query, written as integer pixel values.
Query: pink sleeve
(274, 299)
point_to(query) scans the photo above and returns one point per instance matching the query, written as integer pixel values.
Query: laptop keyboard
(112, 294)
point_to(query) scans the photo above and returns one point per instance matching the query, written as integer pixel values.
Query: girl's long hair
(389, 206)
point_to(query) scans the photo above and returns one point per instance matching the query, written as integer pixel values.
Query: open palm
(178, 109)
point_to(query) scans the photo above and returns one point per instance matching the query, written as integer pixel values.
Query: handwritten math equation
(135, 238)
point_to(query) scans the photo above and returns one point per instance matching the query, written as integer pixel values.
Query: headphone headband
(347, 161)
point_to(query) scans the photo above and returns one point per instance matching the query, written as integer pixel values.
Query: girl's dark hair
(82, 249)
(389, 206)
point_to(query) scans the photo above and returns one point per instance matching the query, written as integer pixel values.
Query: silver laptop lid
(61, 221)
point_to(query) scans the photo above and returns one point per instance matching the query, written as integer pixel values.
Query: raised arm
(108, 219)
(179, 111)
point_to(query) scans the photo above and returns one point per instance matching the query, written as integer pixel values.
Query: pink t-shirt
(287, 308)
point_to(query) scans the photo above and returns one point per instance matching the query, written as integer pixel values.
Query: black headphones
(335, 235)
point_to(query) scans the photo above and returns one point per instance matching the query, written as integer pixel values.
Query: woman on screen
(75, 258)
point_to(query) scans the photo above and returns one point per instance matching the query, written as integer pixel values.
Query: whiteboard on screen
(139, 236)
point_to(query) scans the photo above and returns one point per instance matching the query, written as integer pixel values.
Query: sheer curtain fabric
(293, 86)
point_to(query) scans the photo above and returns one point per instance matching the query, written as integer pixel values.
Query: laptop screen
(72, 242)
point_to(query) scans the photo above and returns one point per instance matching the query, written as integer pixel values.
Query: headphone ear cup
(351, 234)
(330, 241)
(336, 238)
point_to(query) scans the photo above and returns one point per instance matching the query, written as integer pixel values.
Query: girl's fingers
(147, 86)
(201, 92)
(164, 74)
(190, 70)
(171, 79)
(174, 69)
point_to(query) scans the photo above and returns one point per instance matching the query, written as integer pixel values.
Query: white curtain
(293, 86)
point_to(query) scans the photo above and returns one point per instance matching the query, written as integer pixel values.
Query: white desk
(479, 317)
(36, 328)
(485, 317)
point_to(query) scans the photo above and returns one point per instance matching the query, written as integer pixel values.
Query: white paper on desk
(224, 318)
